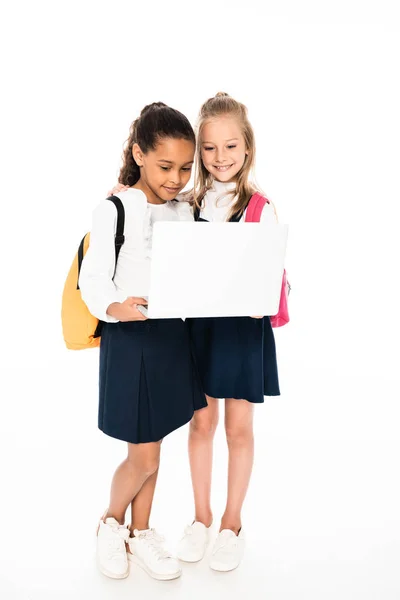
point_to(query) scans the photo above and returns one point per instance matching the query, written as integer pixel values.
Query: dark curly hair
(156, 121)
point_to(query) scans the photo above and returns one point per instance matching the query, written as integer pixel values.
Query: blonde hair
(223, 105)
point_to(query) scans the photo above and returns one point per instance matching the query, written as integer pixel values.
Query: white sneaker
(194, 542)
(147, 551)
(227, 551)
(111, 549)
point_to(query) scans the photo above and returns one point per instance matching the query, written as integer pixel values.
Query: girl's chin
(224, 176)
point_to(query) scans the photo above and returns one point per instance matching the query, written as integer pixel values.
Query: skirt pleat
(149, 385)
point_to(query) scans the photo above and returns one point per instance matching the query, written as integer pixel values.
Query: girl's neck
(152, 198)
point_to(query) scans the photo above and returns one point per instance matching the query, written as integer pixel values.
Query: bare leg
(142, 503)
(201, 436)
(239, 435)
(141, 464)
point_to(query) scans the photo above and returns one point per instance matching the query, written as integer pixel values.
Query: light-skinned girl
(236, 356)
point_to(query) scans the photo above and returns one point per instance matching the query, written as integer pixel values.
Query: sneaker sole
(110, 574)
(223, 568)
(194, 560)
(133, 558)
(190, 560)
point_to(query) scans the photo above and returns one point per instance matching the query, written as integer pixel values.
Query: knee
(150, 466)
(146, 465)
(204, 427)
(239, 436)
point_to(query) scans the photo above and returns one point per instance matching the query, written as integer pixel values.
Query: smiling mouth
(172, 190)
(224, 168)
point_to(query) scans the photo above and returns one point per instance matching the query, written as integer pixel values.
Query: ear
(137, 155)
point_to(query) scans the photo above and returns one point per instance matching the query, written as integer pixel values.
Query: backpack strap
(255, 208)
(80, 258)
(119, 232)
(253, 212)
(119, 235)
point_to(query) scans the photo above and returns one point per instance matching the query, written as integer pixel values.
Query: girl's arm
(96, 277)
(268, 214)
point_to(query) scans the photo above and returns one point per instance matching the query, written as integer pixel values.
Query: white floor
(321, 516)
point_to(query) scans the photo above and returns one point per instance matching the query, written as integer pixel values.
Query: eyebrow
(170, 162)
(230, 140)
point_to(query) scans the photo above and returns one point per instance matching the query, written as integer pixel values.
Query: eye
(164, 168)
(232, 146)
(186, 168)
(208, 148)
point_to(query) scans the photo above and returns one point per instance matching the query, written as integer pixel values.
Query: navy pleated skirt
(149, 383)
(236, 357)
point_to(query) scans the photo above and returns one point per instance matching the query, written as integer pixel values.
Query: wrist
(112, 310)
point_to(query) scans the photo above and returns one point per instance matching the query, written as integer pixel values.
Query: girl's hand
(127, 311)
(257, 317)
(118, 188)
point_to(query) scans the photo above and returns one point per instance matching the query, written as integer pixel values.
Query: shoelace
(116, 546)
(226, 543)
(188, 532)
(153, 541)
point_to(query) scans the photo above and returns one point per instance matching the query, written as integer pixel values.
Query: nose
(175, 178)
(220, 155)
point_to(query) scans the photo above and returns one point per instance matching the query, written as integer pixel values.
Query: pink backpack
(253, 215)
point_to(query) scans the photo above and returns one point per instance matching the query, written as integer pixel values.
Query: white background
(321, 81)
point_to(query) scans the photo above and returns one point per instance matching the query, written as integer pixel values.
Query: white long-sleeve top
(132, 273)
(218, 202)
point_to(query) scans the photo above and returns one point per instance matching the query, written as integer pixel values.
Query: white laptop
(216, 269)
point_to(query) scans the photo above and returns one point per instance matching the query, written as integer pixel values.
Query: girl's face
(223, 149)
(165, 171)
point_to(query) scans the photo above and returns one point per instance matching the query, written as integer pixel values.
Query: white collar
(221, 187)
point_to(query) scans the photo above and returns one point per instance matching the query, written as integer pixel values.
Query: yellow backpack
(80, 328)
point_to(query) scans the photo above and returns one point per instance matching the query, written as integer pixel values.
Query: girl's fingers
(139, 315)
(120, 188)
(138, 300)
